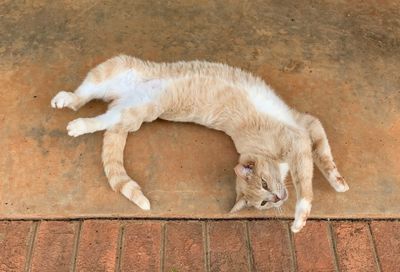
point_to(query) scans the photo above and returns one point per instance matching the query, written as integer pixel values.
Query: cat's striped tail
(112, 156)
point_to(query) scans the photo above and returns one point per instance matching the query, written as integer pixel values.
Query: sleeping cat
(270, 137)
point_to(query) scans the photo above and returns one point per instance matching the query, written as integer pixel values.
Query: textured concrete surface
(339, 61)
(204, 245)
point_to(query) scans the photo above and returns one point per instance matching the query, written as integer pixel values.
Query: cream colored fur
(270, 137)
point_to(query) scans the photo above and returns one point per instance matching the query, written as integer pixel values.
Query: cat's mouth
(265, 205)
(275, 202)
(270, 205)
(277, 199)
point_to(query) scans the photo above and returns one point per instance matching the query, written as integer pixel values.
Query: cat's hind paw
(64, 99)
(77, 127)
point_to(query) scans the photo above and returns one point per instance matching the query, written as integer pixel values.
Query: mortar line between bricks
(31, 246)
(205, 246)
(120, 245)
(208, 245)
(292, 248)
(161, 218)
(76, 246)
(373, 244)
(163, 243)
(250, 258)
(334, 247)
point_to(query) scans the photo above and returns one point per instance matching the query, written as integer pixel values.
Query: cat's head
(259, 184)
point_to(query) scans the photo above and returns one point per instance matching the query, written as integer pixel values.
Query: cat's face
(259, 184)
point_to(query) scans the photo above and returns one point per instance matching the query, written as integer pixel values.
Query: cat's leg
(133, 117)
(98, 84)
(86, 92)
(104, 121)
(129, 119)
(322, 154)
(301, 169)
(112, 156)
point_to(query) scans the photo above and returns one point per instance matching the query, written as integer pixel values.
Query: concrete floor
(339, 61)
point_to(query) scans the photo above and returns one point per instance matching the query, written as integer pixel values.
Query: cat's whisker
(277, 211)
(275, 215)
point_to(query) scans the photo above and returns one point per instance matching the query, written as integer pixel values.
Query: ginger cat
(270, 137)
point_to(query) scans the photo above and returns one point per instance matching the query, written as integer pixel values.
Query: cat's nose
(275, 199)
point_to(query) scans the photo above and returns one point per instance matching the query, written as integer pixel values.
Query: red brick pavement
(205, 245)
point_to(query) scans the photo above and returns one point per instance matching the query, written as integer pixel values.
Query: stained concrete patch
(338, 61)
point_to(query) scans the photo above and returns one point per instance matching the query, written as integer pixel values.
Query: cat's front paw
(77, 127)
(297, 225)
(63, 99)
(338, 182)
(342, 186)
(303, 208)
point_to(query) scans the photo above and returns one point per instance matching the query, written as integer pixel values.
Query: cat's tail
(112, 156)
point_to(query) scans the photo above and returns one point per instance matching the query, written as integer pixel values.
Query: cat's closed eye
(264, 184)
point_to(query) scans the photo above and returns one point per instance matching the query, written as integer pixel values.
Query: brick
(184, 250)
(142, 246)
(387, 241)
(354, 246)
(14, 243)
(97, 248)
(313, 247)
(54, 246)
(228, 249)
(270, 245)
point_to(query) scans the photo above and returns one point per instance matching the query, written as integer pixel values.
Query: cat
(270, 137)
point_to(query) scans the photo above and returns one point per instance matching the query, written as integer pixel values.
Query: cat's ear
(240, 204)
(244, 171)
